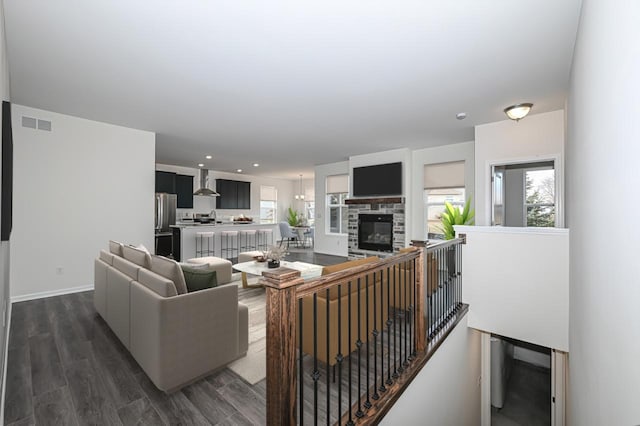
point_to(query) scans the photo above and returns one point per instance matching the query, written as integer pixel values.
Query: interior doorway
(525, 194)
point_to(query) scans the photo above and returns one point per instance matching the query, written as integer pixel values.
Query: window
(310, 212)
(337, 212)
(434, 205)
(268, 204)
(540, 209)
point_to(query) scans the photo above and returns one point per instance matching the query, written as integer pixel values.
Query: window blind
(337, 184)
(444, 175)
(268, 193)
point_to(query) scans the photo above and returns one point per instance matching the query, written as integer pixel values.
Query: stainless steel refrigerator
(165, 217)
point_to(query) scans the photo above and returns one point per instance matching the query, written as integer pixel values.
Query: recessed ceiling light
(255, 164)
(239, 170)
(208, 157)
(200, 165)
(461, 115)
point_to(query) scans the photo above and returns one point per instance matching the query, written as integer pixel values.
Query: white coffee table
(307, 270)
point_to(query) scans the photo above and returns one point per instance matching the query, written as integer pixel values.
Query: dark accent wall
(6, 216)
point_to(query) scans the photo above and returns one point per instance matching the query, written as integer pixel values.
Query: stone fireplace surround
(385, 205)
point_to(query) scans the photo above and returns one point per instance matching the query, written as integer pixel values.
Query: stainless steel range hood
(204, 189)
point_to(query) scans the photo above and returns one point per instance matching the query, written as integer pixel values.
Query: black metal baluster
(414, 288)
(428, 292)
(359, 413)
(389, 323)
(350, 422)
(300, 367)
(339, 356)
(382, 302)
(375, 342)
(328, 299)
(407, 322)
(367, 403)
(395, 331)
(316, 374)
(400, 314)
(460, 279)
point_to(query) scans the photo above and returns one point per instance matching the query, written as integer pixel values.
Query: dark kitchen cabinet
(184, 190)
(166, 182)
(233, 194)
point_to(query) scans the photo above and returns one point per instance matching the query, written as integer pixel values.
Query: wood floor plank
(18, 402)
(28, 421)
(46, 368)
(19, 334)
(38, 319)
(252, 405)
(54, 408)
(208, 401)
(236, 419)
(174, 408)
(121, 385)
(140, 412)
(90, 398)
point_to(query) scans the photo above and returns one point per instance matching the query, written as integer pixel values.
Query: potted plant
(450, 217)
(274, 255)
(293, 217)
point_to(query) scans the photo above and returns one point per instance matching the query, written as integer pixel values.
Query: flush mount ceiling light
(208, 157)
(518, 112)
(300, 195)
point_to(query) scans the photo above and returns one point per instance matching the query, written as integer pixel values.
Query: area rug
(253, 367)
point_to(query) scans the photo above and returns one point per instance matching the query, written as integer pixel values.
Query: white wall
(602, 188)
(336, 244)
(202, 204)
(76, 187)
(536, 137)
(517, 283)
(439, 154)
(446, 392)
(4, 245)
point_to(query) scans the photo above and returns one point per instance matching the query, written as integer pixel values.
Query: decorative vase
(273, 263)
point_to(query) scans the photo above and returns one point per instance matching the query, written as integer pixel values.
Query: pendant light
(300, 195)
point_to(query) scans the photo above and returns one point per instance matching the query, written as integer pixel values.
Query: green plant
(293, 218)
(453, 216)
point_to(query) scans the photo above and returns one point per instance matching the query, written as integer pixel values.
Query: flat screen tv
(378, 180)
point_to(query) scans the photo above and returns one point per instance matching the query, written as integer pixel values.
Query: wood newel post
(421, 319)
(281, 307)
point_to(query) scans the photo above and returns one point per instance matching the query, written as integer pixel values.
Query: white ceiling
(290, 84)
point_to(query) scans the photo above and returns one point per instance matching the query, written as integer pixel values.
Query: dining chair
(287, 232)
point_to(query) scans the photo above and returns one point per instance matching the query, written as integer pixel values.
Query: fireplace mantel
(379, 200)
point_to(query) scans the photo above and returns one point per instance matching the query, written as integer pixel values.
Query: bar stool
(250, 240)
(264, 239)
(205, 244)
(229, 245)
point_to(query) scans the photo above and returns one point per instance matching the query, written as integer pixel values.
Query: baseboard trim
(33, 296)
(5, 362)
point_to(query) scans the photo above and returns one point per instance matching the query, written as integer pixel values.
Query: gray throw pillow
(199, 279)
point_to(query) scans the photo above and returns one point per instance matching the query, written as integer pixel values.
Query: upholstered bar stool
(264, 239)
(205, 244)
(248, 240)
(229, 245)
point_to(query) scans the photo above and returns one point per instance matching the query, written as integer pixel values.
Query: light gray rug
(253, 367)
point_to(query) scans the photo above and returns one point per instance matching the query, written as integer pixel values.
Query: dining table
(301, 231)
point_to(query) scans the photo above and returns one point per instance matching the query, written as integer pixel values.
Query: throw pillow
(199, 279)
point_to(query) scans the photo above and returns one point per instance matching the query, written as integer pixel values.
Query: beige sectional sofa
(175, 336)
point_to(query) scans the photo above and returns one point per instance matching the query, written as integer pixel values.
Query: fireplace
(375, 232)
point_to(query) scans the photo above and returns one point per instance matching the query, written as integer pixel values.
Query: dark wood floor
(66, 367)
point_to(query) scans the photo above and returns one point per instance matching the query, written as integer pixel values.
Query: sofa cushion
(333, 293)
(130, 269)
(159, 284)
(115, 248)
(221, 266)
(169, 269)
(350, 264)
(106, 257)
(199, 279)
(137, 256)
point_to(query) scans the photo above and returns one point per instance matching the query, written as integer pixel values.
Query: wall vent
(29, 122)
(36, 123)
(44, 125)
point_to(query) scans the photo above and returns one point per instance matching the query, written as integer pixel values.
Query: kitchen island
(184, 236)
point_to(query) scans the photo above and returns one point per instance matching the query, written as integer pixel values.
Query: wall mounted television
(378, 180)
